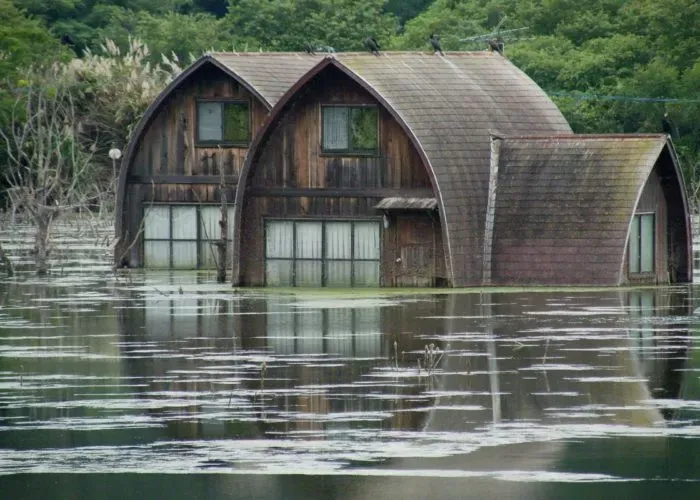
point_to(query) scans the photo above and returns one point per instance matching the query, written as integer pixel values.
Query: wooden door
(415, 251)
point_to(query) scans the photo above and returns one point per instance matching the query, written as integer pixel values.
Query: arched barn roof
(267, 76)
(447, 106)
(564, 205)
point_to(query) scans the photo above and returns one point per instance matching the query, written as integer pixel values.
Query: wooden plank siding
(652, 200)
(292, 165)
(170, 167)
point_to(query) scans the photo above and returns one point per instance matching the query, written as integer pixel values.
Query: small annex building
(403, 169)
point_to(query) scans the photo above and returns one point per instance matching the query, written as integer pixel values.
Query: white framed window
(322, 253)
(183, 236)
(642, 243)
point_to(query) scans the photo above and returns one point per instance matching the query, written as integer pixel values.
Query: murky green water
(165, 385)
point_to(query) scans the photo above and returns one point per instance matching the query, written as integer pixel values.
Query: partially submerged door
(415, 250)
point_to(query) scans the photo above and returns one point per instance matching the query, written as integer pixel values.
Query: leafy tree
(165, 34)
(112, 89)
(288, 25)
(24, 42)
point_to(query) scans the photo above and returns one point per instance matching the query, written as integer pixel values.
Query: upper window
(223, 122)
(350, 129)
(641, 247)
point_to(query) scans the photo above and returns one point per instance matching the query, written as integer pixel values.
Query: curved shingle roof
(448, 106)
(270, 74)
(564, 205)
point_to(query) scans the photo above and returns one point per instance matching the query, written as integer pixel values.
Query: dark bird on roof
(495, 45)
(667, 125)
(309, 49)
(372, 45)
(435, 42)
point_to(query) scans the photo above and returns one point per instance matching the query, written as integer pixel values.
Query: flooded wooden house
(192, 137)
(375, 170)
(403, 169)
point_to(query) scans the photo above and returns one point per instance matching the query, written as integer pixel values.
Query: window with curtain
(642, 244)
(223, 122)
(183, 236)
(350, 129)
(322, 253)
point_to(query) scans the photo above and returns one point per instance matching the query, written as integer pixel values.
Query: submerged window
(350, 129)
(322, 253)
(641, 245)
(183, 236)
(223, 122)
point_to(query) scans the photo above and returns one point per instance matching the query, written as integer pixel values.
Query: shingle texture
(564, 204)
(449, 105)
(270, 74)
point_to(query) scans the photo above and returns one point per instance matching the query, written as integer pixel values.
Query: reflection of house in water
(662, 346)
(320, 360)
(512, 357)
(558, 371)
(525, 374)
(351, 332)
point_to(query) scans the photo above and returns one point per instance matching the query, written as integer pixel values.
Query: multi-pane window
(223, 122)
(322, 253)
(641, 245)
(349, 129)
(184, 236)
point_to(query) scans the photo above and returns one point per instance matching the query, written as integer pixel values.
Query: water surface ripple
(532, 394)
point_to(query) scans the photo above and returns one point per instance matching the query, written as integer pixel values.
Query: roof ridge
(586, 136)
(355, 53)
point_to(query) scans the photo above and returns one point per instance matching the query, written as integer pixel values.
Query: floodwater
(167, 385)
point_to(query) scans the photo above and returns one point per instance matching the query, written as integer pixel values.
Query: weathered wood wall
(653, 200)
(169, 166)
(293, 178)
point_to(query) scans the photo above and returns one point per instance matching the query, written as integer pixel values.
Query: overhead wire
(582, 96)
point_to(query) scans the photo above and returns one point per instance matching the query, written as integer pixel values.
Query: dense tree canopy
(611, 65)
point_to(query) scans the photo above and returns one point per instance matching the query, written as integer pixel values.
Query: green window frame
(223, 123)
(642, 244)
(350, 130)
(330, 252)
(183, 236)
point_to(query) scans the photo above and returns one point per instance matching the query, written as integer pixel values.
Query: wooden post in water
(223, 223)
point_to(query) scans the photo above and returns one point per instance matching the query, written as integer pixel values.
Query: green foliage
(288, 24)
(23, 42)
(112, 89)
(171, 33)
(626, 48)
(363, 129)
(236, 122)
